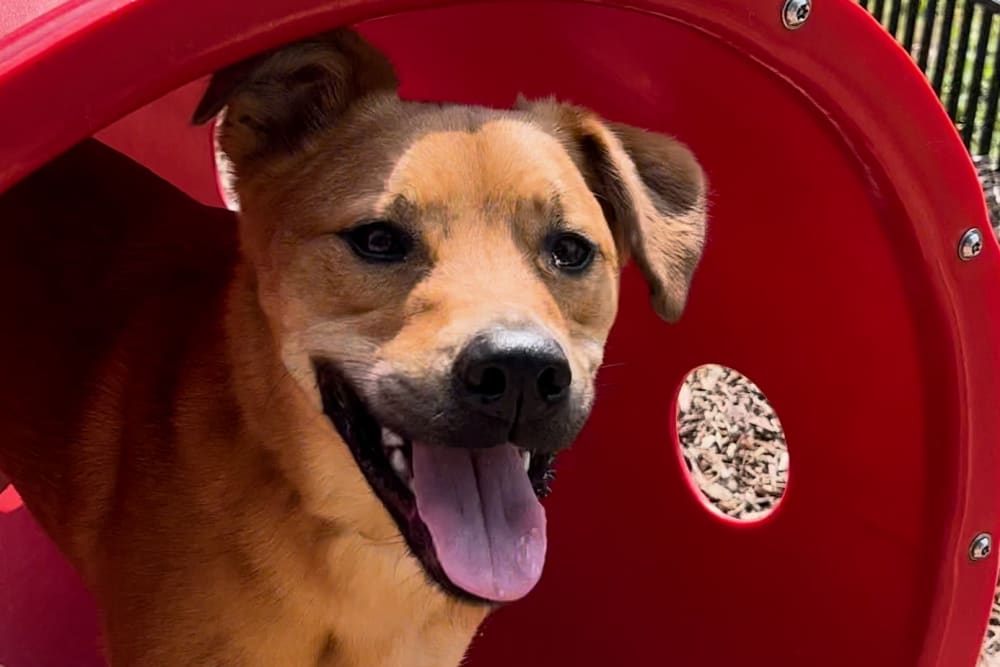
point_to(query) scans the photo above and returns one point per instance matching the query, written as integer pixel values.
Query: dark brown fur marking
(328, 653)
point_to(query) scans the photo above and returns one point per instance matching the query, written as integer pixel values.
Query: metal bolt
(795, 13)
(982, 546)
(971, 244)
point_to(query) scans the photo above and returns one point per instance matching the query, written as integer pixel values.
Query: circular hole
(991, 647)
(732, 442)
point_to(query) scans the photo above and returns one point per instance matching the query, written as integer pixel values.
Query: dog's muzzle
(461, 460)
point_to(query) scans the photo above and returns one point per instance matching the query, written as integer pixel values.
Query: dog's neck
(363, 592)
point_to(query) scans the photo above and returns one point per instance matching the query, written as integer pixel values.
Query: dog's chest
(424, 635)
(371, 607)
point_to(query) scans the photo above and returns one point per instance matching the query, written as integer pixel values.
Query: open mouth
(471, 516)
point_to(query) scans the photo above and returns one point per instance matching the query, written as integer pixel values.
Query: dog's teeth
(391, 438)
(398, 461)
(400, 465)
(526, 459)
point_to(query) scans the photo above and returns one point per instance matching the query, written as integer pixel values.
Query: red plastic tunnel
(832, 278)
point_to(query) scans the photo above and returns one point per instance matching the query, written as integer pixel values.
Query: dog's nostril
(553, 383)
(492, 383)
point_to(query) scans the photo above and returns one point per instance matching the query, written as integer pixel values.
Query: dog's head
(441, 280)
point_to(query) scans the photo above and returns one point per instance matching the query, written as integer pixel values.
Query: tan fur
(159, 411)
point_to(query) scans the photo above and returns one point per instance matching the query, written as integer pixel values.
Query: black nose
(513, 375)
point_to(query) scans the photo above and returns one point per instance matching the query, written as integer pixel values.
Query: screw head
(981, 547)
(795, 13)
(971, 244)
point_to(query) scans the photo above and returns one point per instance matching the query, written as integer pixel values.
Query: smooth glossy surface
(874, 342)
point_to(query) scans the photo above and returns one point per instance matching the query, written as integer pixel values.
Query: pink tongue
(486, 522)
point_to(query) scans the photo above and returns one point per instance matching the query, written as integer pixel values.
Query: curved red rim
(135, 47)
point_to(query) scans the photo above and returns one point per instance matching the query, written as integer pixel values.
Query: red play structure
(836, 277)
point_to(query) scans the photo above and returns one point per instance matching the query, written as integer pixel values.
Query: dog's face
(441, 281)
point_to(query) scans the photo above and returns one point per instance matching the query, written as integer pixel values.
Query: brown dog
(317, 435)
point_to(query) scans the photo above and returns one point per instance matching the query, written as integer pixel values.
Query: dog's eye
(379, 241)
(571, 252)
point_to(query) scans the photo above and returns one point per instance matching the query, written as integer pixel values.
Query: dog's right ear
(652, 190)
(274, 101)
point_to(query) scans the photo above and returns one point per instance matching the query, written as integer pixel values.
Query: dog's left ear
(652, 191)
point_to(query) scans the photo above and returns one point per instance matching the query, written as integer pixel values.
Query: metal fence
(957, 45)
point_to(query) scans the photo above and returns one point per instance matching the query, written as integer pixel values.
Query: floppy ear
(652, 191)
(274, 101)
